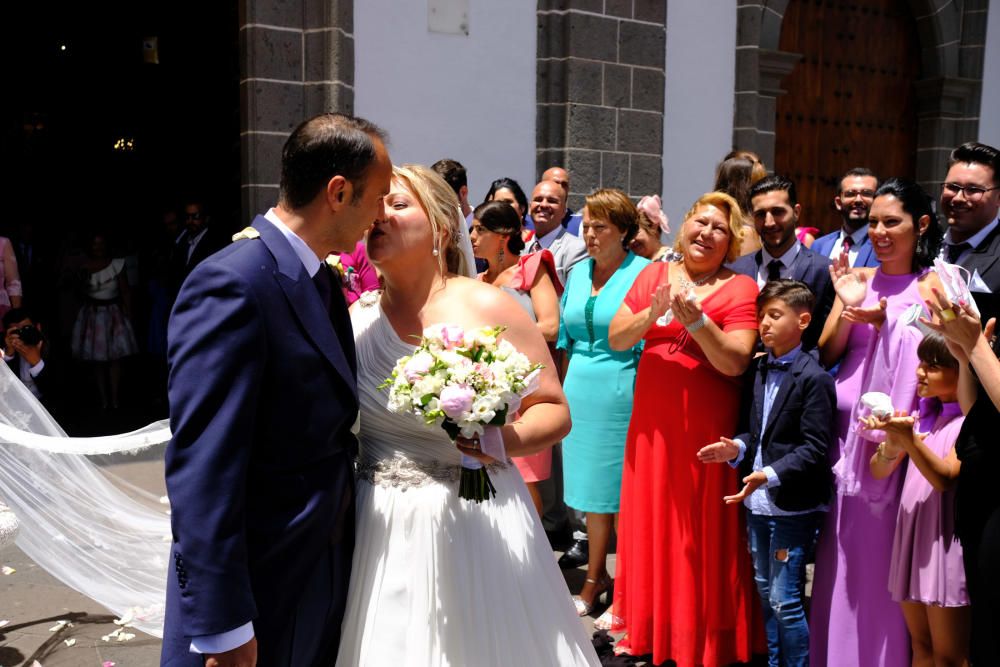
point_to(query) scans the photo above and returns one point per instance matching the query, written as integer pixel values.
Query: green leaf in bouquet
(499, 419)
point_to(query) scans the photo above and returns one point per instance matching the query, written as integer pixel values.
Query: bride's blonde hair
(441, 205)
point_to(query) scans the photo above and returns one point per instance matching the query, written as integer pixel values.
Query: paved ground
(33, 602)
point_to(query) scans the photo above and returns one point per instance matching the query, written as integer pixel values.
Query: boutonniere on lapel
(346, 274)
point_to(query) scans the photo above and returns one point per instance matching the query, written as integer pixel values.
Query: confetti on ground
(59, 626)
(7, 570)
(69, 642)
(4, 622)
(35, 664)
(118, 634)
(107, 663)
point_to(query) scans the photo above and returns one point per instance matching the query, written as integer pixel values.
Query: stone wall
(600, 93)
(296, 60)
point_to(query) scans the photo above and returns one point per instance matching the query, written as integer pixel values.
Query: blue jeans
(780, 547)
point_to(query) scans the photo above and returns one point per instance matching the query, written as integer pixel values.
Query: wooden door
(850, 101)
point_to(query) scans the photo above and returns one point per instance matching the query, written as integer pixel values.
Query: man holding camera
(22, 350)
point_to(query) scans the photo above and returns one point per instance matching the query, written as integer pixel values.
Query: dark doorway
(95, 131)
(850, 101)
(113, 112)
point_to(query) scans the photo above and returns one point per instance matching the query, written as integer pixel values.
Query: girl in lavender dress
(926, 575)
(854, 620)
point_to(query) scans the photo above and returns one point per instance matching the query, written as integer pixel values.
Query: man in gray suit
(547, 208)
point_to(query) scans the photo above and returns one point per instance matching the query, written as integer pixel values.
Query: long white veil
(90, 529)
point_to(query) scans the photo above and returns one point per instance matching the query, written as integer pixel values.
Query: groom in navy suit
(263, 395)
(775, 209)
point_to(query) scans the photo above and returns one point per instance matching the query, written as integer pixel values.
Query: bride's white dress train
(436, 580)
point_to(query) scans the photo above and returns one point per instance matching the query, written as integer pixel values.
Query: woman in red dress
(684, 581)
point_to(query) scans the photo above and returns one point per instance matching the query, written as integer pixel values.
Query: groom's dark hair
(322, 147)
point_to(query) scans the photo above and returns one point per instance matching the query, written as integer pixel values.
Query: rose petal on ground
(59, 626)
(4, 622)
(69, 642)
(7, 570)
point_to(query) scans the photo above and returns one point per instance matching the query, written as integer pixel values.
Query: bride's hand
(849, 285)
(470, 447)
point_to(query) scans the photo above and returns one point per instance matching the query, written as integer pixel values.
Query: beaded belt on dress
(402, 472)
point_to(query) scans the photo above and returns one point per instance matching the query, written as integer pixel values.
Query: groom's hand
(241, 656)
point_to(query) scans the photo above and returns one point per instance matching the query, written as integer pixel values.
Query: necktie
(336, 308)
(955, 251)
(774, 270)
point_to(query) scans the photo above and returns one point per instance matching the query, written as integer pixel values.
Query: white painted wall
(989, 115)
(470, 98)
(698, 112)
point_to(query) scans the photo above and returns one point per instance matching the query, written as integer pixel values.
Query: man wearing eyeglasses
(970, 200)
(853, 200)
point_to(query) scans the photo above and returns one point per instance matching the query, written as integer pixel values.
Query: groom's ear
(338, 192)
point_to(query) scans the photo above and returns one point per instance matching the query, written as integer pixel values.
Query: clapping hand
(851, 286)
(719, 452)
(958, 323)
(873, 315)
(686, 309)
(899, 424)
(660, 302)
(751, 483)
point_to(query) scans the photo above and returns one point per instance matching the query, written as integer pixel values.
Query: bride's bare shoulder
(484, 299)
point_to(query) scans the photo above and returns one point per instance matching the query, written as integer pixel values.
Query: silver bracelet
(697, 324)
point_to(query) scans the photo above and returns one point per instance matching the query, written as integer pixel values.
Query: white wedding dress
(437, 580)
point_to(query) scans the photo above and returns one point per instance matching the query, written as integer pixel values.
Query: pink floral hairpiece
(651, 206)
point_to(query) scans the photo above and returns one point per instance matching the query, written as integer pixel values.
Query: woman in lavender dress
(854, 619)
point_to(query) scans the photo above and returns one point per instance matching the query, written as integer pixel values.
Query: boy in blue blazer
(782, 458)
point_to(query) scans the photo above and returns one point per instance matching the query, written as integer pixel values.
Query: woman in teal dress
(599, 380)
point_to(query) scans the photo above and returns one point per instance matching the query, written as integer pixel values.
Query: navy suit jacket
(259, 471)
(798, 433)
(866, 254)
(814, 271)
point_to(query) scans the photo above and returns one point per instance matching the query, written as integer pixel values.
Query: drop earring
(435, 252)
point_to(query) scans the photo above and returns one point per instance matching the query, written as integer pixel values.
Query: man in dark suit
(775, 210)
(24, 352)
(263, 394)
(788, 406)
(854, 201)
(199, 240)
(970, 202)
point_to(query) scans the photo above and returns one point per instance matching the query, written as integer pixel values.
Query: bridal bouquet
(468, 383)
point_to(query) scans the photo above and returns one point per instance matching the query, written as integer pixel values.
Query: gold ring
(948, 314)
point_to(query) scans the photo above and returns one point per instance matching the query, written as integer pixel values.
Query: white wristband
(697, 324)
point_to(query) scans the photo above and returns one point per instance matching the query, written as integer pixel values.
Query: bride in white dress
(438, 580)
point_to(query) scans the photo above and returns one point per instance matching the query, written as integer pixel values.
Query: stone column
(760, 68)
(296, 60)
(600, 93)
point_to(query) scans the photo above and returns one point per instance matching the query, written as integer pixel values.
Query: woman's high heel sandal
(604, 587)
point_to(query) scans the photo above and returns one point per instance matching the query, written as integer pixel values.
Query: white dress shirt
(974, 241)
(787, 260)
